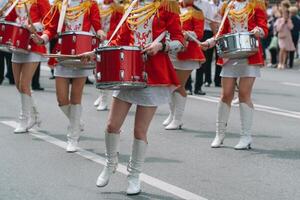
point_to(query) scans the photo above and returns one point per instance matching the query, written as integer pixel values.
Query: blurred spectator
(5, 56)
(35, 84)
(284, 26)
(295, 32)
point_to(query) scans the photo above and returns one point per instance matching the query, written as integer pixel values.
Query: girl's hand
(37, 39)
(256, 31)
(153, 48)
(85, 58)
(101, 35)
(209, 43)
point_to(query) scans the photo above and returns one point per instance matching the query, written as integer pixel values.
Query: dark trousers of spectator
(206, 67)
(218, 70)
(4, 56)
(36, 78)
(292, 53)
(274, 53)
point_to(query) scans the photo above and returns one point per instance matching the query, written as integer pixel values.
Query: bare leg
(228, 86)
(62, 90)
(77, 89)
(25, 73)
(117, 115)
(183, 76)
(16, 67)
(143, 118)
(245, 90)
(246, 112)
(227, 93)
(178, 101)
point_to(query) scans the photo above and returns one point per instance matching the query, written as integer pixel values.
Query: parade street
(179, 164)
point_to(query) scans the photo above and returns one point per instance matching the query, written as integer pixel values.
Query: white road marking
(291, 84)
(154, 182)
(267, 109)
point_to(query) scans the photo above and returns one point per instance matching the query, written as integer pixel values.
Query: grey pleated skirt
(236, 68)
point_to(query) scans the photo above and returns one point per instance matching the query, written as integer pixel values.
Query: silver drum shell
(237, 45)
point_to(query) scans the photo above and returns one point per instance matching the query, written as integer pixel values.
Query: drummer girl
(25, 64)
(80, 16)
(147, 21)
(111, 13)
(192, 22)
(244, 16)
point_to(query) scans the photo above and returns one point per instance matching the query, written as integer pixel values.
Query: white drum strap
(6, 13)
(126, 14)
(223, 19)
(63, 11)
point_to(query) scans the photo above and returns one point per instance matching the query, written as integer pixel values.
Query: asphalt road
(179, 165)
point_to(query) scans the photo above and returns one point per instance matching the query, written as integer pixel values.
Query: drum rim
(11, 23)
(236, 34)
(132, 48)
(77, 33)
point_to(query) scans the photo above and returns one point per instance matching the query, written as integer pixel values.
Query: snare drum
(13, 37)
(120, 67)
(237, 45)
(74, 43)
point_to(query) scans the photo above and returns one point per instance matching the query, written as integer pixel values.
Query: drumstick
(10, 8)
(160, 37)
(193, 38)
(29, 18)
(63, 11)
(126, 14)
(4, 8)
(223, 20)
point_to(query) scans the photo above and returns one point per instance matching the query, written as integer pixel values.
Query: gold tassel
(259, 4)
(198, 14)
(170, 6)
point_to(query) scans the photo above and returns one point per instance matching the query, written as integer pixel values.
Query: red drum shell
(74, 43)
(14, 37)
(120, 67)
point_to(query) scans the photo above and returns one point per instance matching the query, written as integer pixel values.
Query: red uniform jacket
(114, 20)
(159, 67)
(195, 23)
(38, 10)
(258, 17)
(91, 19)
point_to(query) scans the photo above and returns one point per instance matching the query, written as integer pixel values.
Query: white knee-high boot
(74, 130)
(134, 167)
(66, 110)
(221, 124)
(34, 115)
(112, 142)
(171, 111)
(246, 115)
(26, 106)
(103, 100)
(179, 106)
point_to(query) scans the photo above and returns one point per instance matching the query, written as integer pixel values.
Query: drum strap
(62, 15)
(10, 9)
(126, 14)
(224, 18)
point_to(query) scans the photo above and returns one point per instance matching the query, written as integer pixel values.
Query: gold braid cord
(113, 8)
(247, 11)
(140, 15)
(191, 13)
(21, 3)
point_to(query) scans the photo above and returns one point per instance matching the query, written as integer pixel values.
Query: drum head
(76, 64)
(17, 50)
(5, 49)
(120, 85)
